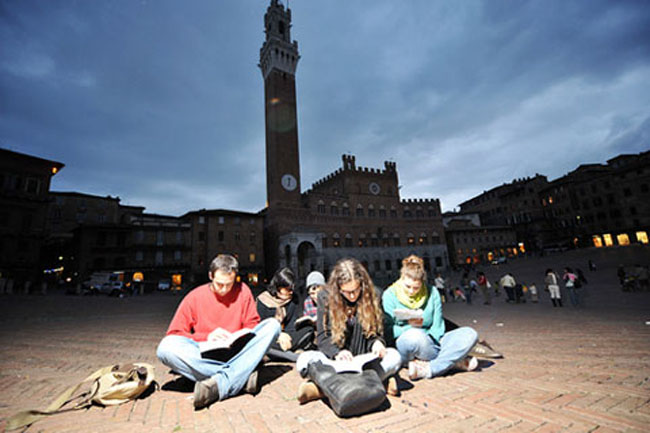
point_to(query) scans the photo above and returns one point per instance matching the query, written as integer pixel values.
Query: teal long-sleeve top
(433, 323)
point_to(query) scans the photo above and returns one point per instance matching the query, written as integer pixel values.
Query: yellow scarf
(413, 302)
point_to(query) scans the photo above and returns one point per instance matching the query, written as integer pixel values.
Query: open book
(355, 365)
(408, 314)
(223, 350)
(305, 321)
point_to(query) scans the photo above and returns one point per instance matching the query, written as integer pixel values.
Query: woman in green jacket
(422, 341)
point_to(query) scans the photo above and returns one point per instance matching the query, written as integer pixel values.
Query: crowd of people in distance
(340, 319)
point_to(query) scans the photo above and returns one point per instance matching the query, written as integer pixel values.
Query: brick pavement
(565, 370)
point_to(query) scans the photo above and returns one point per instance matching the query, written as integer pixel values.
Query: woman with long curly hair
(349, 322)
(422, 341)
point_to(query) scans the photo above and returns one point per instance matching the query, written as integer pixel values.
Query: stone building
(24, 194)
(470, 242)
(599, 204)
(514, 204)
(226, 231)
(355, 211)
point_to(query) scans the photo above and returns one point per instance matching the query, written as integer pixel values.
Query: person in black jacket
(350, 322)
(280, 302)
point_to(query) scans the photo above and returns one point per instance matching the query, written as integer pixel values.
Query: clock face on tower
(374, 188)
(289, 182)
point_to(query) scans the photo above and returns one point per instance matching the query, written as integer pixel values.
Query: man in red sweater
(212, 312)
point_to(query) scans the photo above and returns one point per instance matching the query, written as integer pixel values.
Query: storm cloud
(161, 102)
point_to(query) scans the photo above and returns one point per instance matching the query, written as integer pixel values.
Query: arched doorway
(307, 259)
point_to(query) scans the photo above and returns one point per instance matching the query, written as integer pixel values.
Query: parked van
(110, 283)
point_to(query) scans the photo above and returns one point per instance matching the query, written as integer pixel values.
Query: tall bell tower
(278, 60)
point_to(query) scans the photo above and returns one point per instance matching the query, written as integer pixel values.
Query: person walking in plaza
(485, 289)
(350, 322)
(280, 302)
(214, 311)
(553, 287)
(571, 282)
(465, 288)
(439, 282)
(423, 343)
(508, 283)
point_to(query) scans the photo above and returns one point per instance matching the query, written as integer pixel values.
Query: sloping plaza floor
(565, 370)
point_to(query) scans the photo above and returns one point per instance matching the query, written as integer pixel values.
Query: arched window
(371, 211)
(410, 239)
(422, 239)
(393, 212)
(419, 213)
(348, 240)
(359, 210)
(336, 240)
(345, 209)
(334, 209)
(321, 206)
(382, 211)
(407, 212)
(435, 237)
(396, 240)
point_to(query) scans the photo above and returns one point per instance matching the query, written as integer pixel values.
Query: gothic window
(431, 211)
(321, 206)
(382, 212)
(419, 213)
(374, 241)
(407, 212)
(422, 240)
(371, 211)
(396, 240)
(334, 210)
(435, 238)
(336, 240)
(346, 209)
(410, 239)
(359, 210)
(393, 212)
(348, 240)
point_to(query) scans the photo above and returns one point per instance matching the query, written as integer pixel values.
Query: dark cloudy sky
(161, 102)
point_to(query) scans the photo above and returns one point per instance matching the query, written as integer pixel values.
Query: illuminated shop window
(598, 242)
(623, 239)
(251, 257)
(522, 248)
(253, 279)
(608, 240)
(642, 237)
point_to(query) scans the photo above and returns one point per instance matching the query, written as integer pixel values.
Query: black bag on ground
(349, 394)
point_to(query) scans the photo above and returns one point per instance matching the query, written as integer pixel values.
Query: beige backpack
(108, 386)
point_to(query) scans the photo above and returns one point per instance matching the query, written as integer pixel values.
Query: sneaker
(484, 351)
(252, 386)
(308, 391)
(419, 369)
(206, 392)
(391, 387)
(469, 363)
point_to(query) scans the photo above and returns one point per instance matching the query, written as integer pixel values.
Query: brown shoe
(391, 387)
(252, 386)
(206, 392)
(308, 391)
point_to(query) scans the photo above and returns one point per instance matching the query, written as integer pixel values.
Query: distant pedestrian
(485, 289)
(553, 287)
(473, 288)
(620, 273)
(642, 277)
(508, 283)
(570, 283)
(439, 282)
(533, 293)
(581, 276)
(592, 265)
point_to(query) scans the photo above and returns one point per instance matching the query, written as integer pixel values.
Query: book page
(355, 365)
(407, 314)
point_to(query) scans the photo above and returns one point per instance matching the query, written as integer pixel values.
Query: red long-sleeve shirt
(202, 311)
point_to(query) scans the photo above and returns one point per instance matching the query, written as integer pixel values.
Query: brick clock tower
(278, 60)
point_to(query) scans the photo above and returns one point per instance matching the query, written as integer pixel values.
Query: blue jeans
(573, 296)
(182, 355)
(454, 346)
(390, 363)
